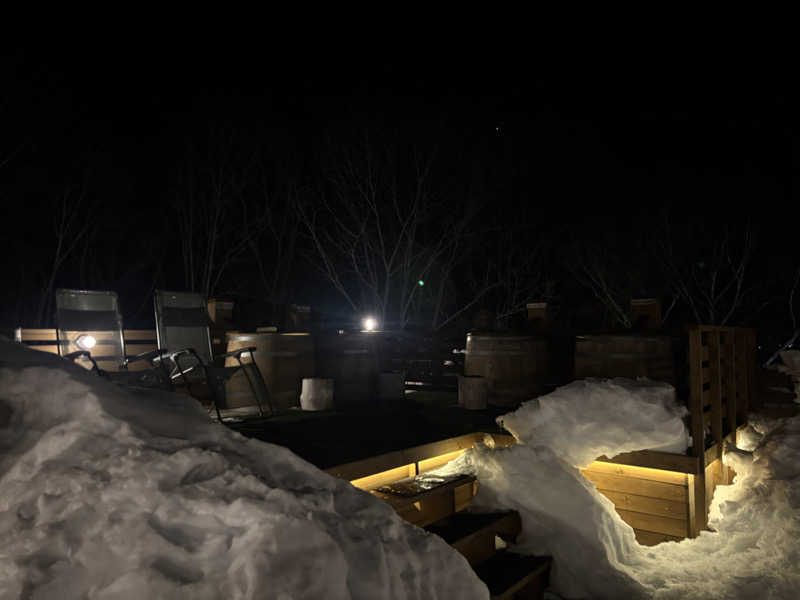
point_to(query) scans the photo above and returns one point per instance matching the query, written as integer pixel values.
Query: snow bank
(592, 417)
(753, 554)
(791, 366)
(108, 492)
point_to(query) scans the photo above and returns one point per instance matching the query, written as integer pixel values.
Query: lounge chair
(182, 329)
(89, 328)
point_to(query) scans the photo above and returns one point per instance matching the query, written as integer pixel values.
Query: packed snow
(590, 418)
(791, 366)
(752, 552)
(115, 493)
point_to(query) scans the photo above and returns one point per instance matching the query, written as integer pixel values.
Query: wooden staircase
(441, 506)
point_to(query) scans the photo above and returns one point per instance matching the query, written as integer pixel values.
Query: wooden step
(509, 575)
(473, 534)
(423, 499)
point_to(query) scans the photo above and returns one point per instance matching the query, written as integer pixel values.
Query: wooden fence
(136, 342)
(666, 496)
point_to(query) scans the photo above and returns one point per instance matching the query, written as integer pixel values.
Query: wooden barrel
(352, 361)
(625, 355)
(515, 366)
(284, 360)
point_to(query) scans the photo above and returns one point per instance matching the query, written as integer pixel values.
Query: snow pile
(591, 417)
(108, 492)
(754, 550)
(753, 554)
(791, 366)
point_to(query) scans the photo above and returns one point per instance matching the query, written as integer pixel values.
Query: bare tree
(369, 233)
(72, 220)
(216, 220)
(520, 270)
(382, 236)
(707, 270)
(275, 251)
(606, 275)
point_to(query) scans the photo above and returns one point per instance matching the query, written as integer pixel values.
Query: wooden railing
(136, 342)
(722, 363)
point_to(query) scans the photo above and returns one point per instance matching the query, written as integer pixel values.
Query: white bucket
(473, 392)
(317, 394)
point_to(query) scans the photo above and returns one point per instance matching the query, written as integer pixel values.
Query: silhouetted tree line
(422, 228)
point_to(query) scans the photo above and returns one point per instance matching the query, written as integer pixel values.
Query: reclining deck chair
(89, 327)
(182, 330)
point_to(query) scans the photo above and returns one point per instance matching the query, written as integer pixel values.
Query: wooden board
(655, 523)
(640, 487)
(370, 482)
(646, 504)
(637, 472)
(651, 538)
(392, 460)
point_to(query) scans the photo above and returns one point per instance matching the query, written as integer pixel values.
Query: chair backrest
(182, 321)
(94, 314)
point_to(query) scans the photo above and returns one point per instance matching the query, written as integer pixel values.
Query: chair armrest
(78, 353)
(152, 356)
(173, 355)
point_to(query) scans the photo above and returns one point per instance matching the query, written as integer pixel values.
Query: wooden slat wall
(136, 342)
(662, 505)
(721, 380)
(654, 502)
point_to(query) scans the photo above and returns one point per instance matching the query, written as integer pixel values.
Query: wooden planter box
(666, 496)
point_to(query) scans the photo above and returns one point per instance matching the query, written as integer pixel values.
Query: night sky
(574, 148)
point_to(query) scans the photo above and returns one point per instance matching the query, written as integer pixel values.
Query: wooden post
(696, 390)
(698, 517)
(715, 386)
(731, 389)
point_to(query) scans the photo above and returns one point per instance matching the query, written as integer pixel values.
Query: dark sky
(653, 120)
(586, 142)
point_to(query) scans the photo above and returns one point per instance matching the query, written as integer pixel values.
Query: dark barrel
(284, 360)
(352, 361)
(625, 355)
(515, 366)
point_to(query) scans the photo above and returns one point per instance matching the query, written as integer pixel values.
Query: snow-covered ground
(754, 551)
(110, 493)
(791, 366)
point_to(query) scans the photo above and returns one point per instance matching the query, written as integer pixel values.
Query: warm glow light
(370, 324)
(85, 342)
(370, 482)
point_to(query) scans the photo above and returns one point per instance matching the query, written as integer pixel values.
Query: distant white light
(85, 342)
(370, 324)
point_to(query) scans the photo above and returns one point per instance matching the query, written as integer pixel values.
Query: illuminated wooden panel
(655, 523)
(634, 485)
(462, 495)
(429, 464)
(428, 510)
(647, 504)
(370, 482)
(45, 348)
(399, 458)
(650, 538)
(660, 475)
